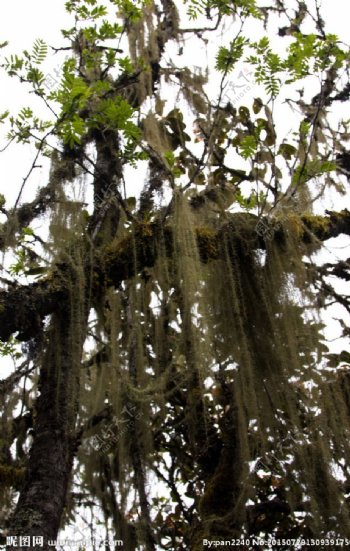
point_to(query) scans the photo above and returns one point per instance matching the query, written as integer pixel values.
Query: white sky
(23, 21)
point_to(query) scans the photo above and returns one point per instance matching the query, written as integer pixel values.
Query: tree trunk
(42, 499)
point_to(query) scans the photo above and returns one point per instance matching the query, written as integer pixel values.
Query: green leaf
(13, 65)
(4, 116)
(20, 265)
(130, 9)
(27, 231)
(263, 45)
(126, 66)
(170, 158)
(108, 31)
(10, 347)
(312, 169)
(304, 129)
(247, 203)
(115, 113)
(39, 51)
(71, 131)
(247, 147)
(25, 113)
(227, 57)
(98, 12)
(35, 76)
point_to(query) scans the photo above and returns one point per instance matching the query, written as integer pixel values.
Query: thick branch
(23, 215)
(23, 308)
(326, 227)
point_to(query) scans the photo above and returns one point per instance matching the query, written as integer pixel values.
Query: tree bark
(42, 498)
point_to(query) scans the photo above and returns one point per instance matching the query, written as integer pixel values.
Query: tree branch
(23, 308)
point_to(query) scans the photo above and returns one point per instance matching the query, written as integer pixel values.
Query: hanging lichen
(233, 346)
(182, 358)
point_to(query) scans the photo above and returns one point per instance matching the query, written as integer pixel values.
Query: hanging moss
(231, 343)
(186, 341)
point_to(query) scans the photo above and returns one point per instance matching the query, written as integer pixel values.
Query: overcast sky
(23, 21)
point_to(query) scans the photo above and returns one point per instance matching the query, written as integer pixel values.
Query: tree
(171, 371)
